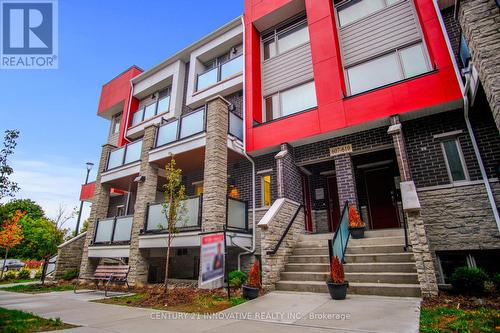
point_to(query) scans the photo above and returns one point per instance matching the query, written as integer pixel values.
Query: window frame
(456, 140)
(262, 191)
(350, 3)
(273, 34)
(117, 119)
(156, 102)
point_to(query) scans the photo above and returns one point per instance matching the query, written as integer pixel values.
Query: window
(198, 188)
(454, 160)
(221, 68)
(159, 106)
(116, 123)
(285, 38)
(290, 101)
(357, 10)
(399, 65)
(464, 52)
(266, 190)
(120, 210)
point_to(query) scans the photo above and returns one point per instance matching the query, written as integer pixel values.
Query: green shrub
(24, 274)
(38, 274)
(70, 274)
(237, 278)
(10, 275)
(467, 280)
(496, 281)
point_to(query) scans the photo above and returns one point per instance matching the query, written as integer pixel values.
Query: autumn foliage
(354, 218)
(254, 276)
(11, 233)
(337, 271)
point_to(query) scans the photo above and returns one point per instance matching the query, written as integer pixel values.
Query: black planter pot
(250, 292)
(357, 233)
(337, 290)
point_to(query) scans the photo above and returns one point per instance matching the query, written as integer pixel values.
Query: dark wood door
(380, 190)
(306, 194)
(333, 204)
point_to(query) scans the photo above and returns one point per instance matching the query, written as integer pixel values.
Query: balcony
(236, 126)
(181, 128)
(123, 164)
(237, 215)
(220, 73)
(156, 220)
(113, 231)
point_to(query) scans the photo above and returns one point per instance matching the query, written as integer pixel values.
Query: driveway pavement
(277, 312)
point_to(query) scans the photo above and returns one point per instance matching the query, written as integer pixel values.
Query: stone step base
(403, 267)
(379, 257)
(321, 259)
(293, 267)
(396, 240)
(384, 277)
(312, 251)
(369, 249)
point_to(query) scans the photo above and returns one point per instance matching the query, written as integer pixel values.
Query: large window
(266, 190)
(285, 38)
(290, 101)
(399, 65)
(454, 160)
(356, 10)
(220, 68)
(159, 106)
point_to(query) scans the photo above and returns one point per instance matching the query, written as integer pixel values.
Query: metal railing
(338, 245)
(124, 155)
(115, 230)
(219, 73)
(180, 128)
(276, 248)
(236, 214)
(156, 218)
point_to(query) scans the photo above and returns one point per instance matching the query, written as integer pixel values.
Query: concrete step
(384, 277)
(384, 233)
(376, 241)
(307, 267)
(384, 289)
(324, 259)
(378, 257)
(304, 276)
(314, 243)
(308, 286)
(379, 267)
(312, 251)
(386, 248)
(313, 237)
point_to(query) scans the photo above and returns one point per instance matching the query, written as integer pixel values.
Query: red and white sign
(212, 257)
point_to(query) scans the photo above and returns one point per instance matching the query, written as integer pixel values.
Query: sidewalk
(277, 312)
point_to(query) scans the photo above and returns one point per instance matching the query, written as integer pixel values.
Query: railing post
(146, 217)
(113, 231)
(95, 230)
(200, 206)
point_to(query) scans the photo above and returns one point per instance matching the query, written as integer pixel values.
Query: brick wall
(453, 30)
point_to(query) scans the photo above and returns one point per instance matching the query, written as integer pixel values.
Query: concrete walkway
(277, 312)
(7, 285)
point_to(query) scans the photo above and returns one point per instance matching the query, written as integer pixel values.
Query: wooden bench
(107, 274)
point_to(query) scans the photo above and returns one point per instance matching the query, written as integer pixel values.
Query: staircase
(375, 265)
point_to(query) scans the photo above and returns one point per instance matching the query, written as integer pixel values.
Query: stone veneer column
(215, 171)
(99, 210)
(289, 179)
(417, 236)
(479, 20)
(346, 183)
(146, 193)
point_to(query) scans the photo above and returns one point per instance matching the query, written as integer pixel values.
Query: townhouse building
(283, 115)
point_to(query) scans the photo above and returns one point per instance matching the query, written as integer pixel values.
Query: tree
(7, 187)
(31, 208)
(173, 207)
(62, 217)
(11, 235)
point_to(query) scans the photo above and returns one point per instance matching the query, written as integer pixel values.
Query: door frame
(329, 208)
(306, 197)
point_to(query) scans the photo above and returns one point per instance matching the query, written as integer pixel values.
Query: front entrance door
(333, 204)
(380, 190)
(306, 195)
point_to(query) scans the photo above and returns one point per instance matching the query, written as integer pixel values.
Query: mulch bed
(450, 300)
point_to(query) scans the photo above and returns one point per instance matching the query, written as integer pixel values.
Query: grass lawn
(444, 319)
(190, 300)
(15, 281)
(14, 321)
(39, 288)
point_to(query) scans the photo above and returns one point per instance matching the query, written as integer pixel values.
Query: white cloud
(51, 182)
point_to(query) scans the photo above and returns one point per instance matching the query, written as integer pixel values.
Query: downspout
(128, 111)
(465, 90)
(254, 232)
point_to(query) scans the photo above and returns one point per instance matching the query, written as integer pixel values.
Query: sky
(55, 110)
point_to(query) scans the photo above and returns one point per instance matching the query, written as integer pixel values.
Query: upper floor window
(285, 38)
(160, 105)
(464, 52)
(116, 124)
(398, 65)
(358, 9)
(290, 101)
(221, 68)
(454, 159)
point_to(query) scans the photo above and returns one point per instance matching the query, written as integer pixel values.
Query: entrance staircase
(374, 265)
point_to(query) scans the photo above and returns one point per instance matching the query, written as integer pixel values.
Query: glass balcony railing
(236, 125)
(237, 214)
(181, 128)
(124, 155)
(156, 220)
(115, 230)
(219, 73)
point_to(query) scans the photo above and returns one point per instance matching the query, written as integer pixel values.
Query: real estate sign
(212, 257)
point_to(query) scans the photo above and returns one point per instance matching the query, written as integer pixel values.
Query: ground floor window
(266, 190)
(484, 259)
(290, 101)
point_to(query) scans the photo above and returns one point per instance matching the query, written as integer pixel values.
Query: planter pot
(357, 233)
(250, 292)
(337, 290)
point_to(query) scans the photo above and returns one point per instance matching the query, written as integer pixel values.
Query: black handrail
(332, 241)
(273, 251)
